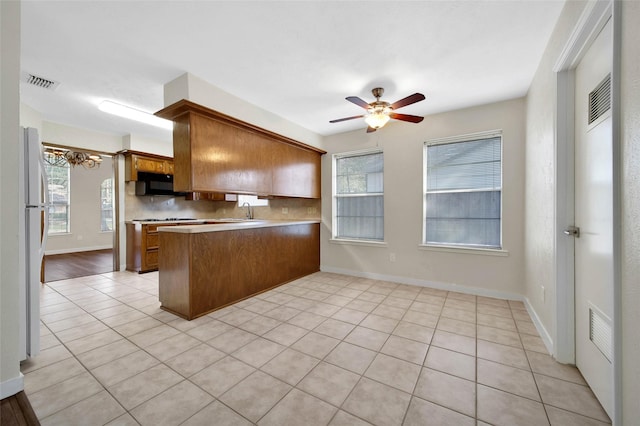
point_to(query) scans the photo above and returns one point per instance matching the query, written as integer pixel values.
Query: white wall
(84, 212)
(11, 380)
(540, 163)
(540, 248)
(150, 146)
(29, 117)
(630, 152)
(192, 88)
(403, 185)
(75, 137)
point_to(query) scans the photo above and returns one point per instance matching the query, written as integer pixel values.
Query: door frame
(117, 189)
(594, 17)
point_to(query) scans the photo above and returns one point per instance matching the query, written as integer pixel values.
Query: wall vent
(600, 99)
(42, 82)
(600, 332)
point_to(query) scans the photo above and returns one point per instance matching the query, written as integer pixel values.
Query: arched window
(106, 205)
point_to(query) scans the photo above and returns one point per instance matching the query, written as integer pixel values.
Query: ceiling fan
(379, 112)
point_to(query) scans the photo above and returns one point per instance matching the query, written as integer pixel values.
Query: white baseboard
(477, 291)
(542, 331)
(11, 387)
(77, 250)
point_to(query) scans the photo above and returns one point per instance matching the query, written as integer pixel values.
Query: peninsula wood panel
(215, 269)
(176, 270)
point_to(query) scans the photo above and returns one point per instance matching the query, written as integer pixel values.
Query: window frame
(53, 204)
(102, 199)
(463, 248)
(335, 238)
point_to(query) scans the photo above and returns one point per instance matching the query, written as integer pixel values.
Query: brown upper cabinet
(296, 171)
(217, 153)
(138, 162)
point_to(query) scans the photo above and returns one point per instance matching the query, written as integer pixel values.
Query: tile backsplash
(163, 206)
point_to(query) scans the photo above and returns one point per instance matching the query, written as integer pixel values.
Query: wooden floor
(73, 265)
(16, 410)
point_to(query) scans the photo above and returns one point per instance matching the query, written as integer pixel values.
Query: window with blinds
(463, 192)
(359, 196)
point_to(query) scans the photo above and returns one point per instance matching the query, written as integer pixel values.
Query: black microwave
(155, 184)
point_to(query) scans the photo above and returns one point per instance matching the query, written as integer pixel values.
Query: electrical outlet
(311, 210)
(542, 292)
(224, 211)
(285, 210)
(392, 257)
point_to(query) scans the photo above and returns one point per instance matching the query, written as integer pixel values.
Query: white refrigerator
(34, 201)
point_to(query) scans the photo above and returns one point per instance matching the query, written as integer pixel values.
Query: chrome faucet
(249, 210)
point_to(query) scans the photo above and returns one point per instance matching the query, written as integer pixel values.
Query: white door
(594, 218)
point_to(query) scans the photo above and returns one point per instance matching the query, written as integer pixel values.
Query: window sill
(358, 242)
(464, 250)
(59, 234)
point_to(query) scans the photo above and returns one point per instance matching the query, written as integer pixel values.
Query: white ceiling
(297, 59)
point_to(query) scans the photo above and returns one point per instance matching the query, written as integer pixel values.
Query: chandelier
(58, 157)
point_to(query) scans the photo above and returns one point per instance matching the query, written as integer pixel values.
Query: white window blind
(359, 196)
(463, 192)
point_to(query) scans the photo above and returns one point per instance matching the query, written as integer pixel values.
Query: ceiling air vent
(42, 82)
(600, 99)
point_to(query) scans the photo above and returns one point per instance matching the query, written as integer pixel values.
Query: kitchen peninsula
(205, 267)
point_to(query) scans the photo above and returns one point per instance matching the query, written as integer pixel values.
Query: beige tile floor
(324, 350)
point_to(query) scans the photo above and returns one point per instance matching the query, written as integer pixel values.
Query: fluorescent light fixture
(134, 114)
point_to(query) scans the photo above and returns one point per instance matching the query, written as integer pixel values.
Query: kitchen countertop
(231, 225)
(162, 221)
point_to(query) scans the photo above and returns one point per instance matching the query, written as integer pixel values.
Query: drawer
(152, 240)
(154, 228)
(152, 258)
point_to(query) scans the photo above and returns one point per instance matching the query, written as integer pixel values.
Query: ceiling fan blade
(406, 117)
(346, 118)
(371, 129)
(411, 99)
(356, 100)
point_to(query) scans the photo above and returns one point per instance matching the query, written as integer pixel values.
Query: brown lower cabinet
(142, 246)
(201, 272)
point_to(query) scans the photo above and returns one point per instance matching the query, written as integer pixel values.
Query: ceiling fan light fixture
(378, 116)
(380, 112)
